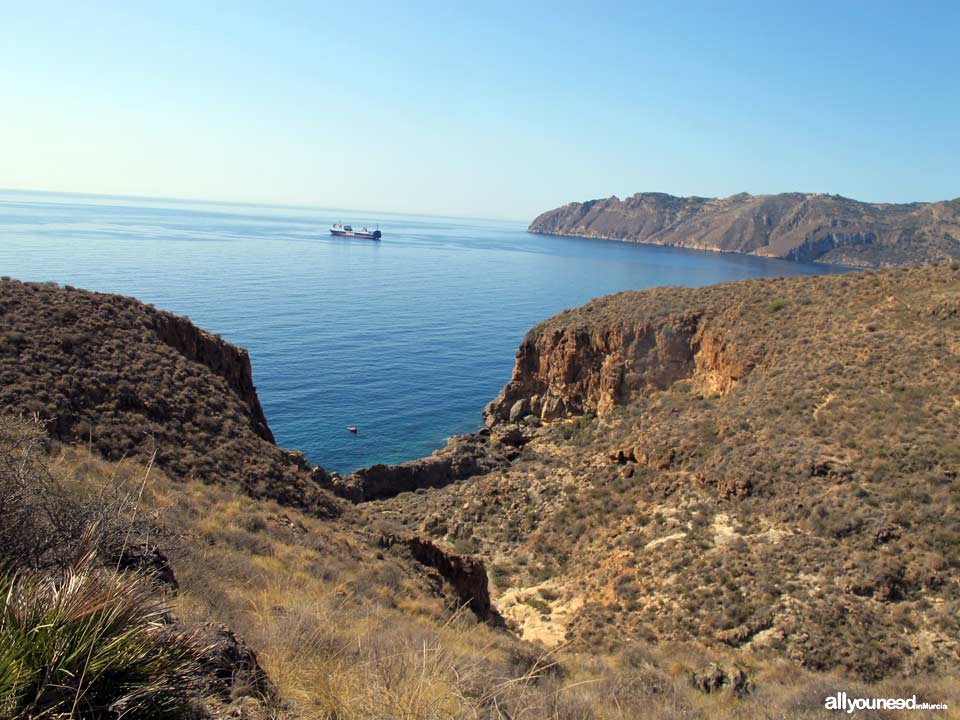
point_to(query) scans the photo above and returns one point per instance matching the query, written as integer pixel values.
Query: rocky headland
(810, 227)
(130, 381)
(765, 465)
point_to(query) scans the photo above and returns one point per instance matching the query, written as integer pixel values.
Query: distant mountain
(796, 226)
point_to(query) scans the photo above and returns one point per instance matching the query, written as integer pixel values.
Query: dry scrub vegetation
(128, 380)
(347, 630)
(808, 509)
(685, 554)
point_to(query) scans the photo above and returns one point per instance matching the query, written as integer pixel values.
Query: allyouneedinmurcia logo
(843, 702)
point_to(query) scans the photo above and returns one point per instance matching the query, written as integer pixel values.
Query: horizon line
(211, 201)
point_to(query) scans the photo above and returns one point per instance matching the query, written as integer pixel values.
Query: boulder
(519, 410)
(230, 668)
(509, 435)
(553, 409)
(145, 558)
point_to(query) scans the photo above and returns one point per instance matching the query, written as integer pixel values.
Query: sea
(407, 338)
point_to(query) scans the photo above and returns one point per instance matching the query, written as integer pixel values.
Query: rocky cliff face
(230, 362)
(795, 226)
(574, 368)
(466, 574)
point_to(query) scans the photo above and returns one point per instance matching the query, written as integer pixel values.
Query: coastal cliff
(810, 227)
(128, 380)
(617, 349)
(761, 465)
(230, 362)
(564, 371)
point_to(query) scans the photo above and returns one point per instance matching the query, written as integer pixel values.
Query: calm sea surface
(407, 338)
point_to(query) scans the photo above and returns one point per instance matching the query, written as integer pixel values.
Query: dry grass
(348, 631)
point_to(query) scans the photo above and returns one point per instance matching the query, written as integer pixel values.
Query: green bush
(538, 604)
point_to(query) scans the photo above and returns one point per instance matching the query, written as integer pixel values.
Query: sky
(499, 110)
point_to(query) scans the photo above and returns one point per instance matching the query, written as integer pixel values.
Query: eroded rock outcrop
(564, 370)
(463, 456)
(466, 574)
(229, 667)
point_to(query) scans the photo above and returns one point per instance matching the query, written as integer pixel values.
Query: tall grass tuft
(90, 644)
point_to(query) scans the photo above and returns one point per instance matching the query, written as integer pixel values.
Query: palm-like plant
(90, 644)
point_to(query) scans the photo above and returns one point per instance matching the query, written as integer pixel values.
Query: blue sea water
(407, 338)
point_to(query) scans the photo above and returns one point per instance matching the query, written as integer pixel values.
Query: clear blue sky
(491, 110)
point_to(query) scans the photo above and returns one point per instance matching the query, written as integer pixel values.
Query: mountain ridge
(808, 227)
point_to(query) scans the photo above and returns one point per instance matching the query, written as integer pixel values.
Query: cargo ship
(341, 230)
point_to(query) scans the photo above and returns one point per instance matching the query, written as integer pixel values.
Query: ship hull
(354, 234)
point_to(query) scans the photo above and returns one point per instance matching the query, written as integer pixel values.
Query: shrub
(36, 516)
(106, 371)
(538, 604)
(43, 520)
(548, 594)
(92, 644)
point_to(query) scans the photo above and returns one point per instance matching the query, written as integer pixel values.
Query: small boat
(341, 230)
(352, 428)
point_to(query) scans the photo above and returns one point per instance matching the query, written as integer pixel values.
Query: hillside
(796, 226)
(726, 502)
(130, 381)
(768, 465)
